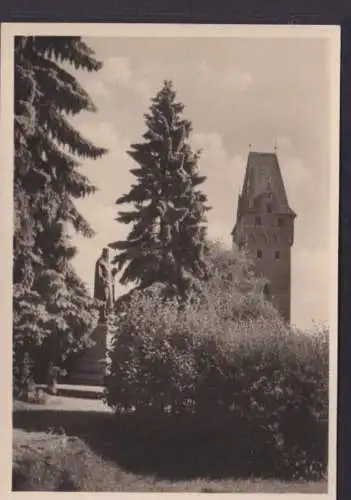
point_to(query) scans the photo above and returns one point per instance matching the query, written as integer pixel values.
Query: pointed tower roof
(262, 177)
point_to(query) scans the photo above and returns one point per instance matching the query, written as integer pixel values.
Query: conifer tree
(167, 240)
(53, 313)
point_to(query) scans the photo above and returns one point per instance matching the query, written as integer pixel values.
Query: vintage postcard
(170, 220)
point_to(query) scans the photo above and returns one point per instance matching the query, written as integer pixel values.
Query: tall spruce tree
(53, 313)
(167, 240)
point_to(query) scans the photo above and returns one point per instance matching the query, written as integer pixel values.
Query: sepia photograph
(172, 211)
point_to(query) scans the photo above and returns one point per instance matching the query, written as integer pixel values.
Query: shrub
(51, 322)
(226, 370)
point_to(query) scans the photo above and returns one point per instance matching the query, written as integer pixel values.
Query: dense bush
(225, 367)
(51, 323)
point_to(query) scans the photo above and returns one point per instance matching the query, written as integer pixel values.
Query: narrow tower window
(277, 255)
(258, 221)
(280, 222)
(267, 292)
(259, 254)
(269, 208)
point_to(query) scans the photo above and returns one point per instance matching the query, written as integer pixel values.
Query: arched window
(259, 254)
(277, 255)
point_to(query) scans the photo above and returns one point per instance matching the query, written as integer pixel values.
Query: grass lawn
(67, 446)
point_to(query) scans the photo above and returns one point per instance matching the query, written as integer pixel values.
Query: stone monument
(103, 285)
(91, 366)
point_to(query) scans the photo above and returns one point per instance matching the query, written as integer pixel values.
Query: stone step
(92, 359)
(90, 365)
(88, 374)
(93, 373)
(88, 379)
(74, 391)
(99, 347)
(84, 391)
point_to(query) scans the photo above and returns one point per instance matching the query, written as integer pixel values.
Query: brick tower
(265, 226)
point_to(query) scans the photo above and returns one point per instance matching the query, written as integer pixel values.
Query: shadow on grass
(174, 448)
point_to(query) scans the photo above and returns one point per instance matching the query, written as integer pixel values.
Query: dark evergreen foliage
(167, 240)
(53, 313)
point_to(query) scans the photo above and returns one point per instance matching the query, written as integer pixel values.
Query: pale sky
(236, 91)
